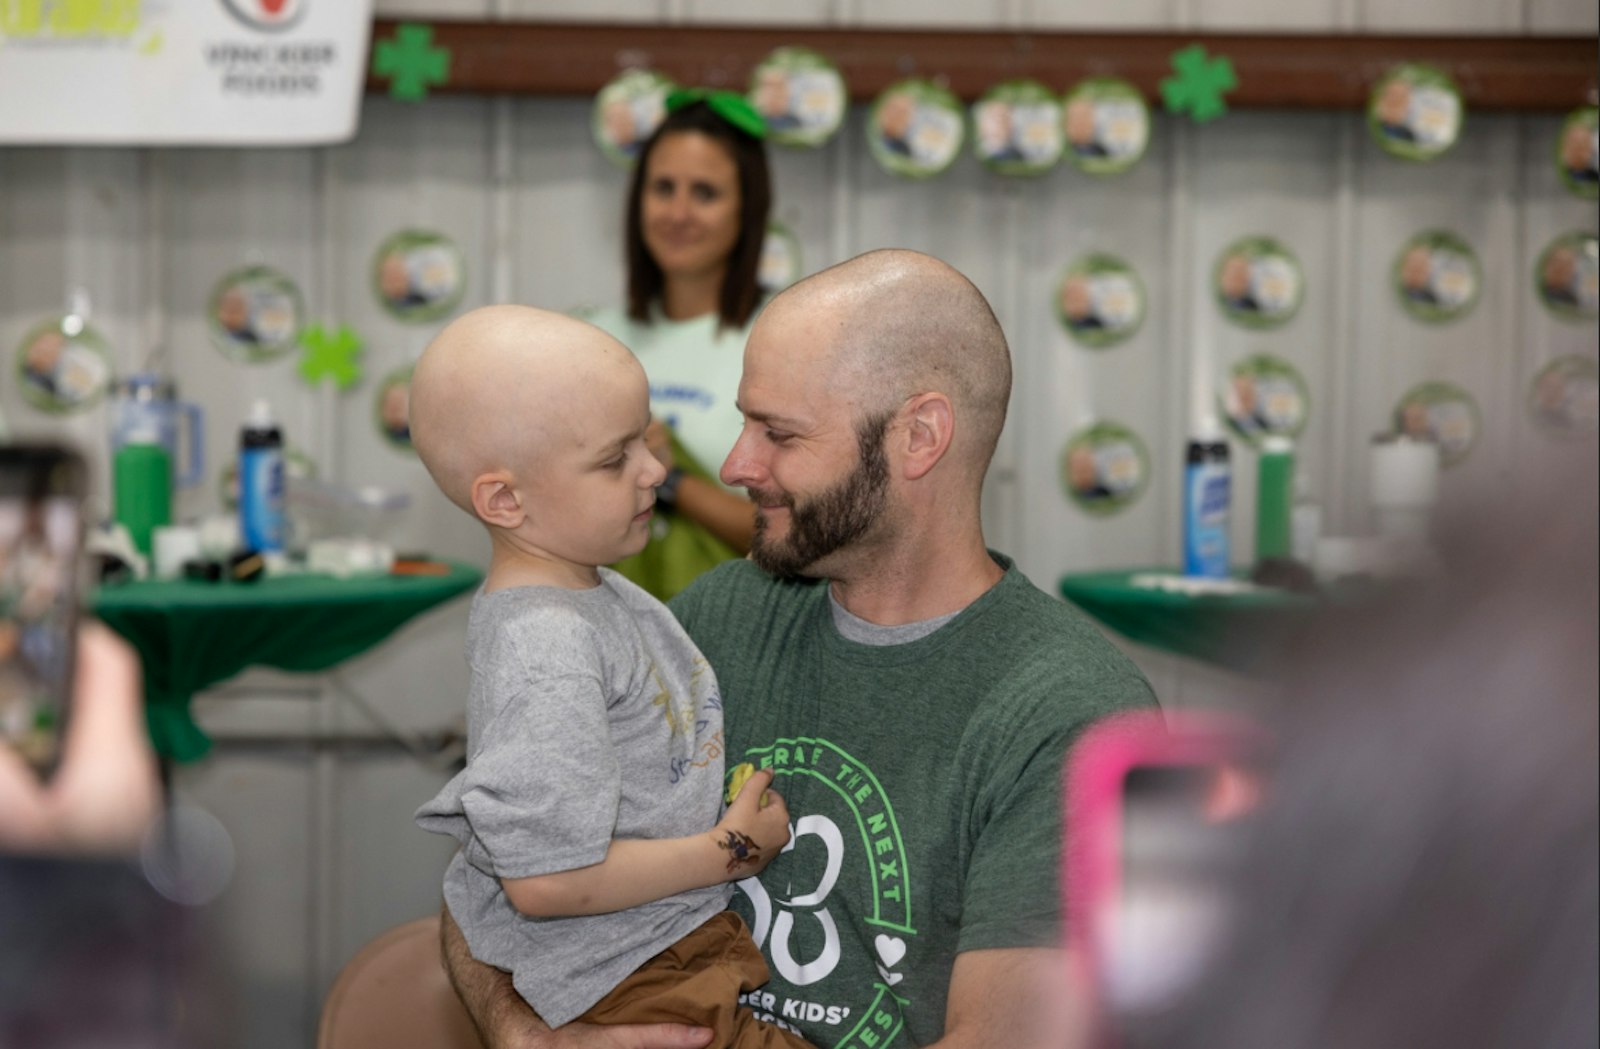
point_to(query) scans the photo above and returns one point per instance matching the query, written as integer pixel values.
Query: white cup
(219, 535)
(172, 546)
(1404, 474)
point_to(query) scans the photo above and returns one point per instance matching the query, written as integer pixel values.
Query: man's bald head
(500, 384)
(898, 323)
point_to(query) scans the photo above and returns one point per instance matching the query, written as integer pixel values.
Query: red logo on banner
(267, 14)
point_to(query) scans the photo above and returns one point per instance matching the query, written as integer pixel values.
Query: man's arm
(1015, 996)
(498, 1011)
(505, 1021)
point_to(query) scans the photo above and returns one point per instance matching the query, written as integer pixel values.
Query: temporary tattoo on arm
(742, 849)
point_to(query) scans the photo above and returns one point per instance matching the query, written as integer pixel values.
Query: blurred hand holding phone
(91, 953)
(1156, 806)
(41, 535)
(76, 769)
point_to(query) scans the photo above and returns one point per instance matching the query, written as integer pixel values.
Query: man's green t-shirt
(924, 785)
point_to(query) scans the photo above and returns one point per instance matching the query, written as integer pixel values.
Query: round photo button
(418, 276)
(1104, 468)
(1415, 112)
(626, 112)
(1106, 124)
(1441, 412)
(255, 315)
(1100, 301)
(391, 409)
(1437, 277)
(1016, 128)
(1567, 277)
(1564, 397)
(801, 96)
(63, 365)
(1258, 283)
(915, 128)
(1578, 152)
(1266, 396)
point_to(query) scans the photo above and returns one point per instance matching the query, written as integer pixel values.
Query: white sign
(182, 72)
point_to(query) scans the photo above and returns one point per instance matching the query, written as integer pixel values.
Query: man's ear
(930, 427)
(496, 501)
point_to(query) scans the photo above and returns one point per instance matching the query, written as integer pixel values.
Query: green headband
(729, 105)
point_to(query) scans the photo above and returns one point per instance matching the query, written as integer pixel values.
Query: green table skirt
(1237, 631)
(191, 635)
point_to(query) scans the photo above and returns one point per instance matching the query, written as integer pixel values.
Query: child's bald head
(501, 386)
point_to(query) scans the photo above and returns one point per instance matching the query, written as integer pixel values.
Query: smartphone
(42, 490)
(1156, 808)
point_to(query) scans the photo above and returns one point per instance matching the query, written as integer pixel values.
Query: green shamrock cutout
(1200, 84)
(331, 355)
(411, 62)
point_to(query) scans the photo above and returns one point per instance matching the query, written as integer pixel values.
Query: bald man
(594, 867)
(912, 692)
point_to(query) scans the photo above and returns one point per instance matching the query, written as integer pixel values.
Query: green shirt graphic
(923, 781)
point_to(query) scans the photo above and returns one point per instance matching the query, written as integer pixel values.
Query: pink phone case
(1092, 805)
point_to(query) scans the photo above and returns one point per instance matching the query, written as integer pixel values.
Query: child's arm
(751, 833)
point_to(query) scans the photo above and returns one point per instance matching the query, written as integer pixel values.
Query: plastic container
(1207, 492)
(1274, 498)
(1305, 521)
(1403, 480)
(141, 487)
(261, 481)
(320, 510)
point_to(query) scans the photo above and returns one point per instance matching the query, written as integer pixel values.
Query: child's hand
(737, 779)
(755, 827)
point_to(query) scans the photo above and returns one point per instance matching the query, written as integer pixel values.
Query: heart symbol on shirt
(890, 948)
(890, 978)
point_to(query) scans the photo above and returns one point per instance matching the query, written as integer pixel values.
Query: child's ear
(495, 501)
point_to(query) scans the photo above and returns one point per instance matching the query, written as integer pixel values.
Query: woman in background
(697, 215)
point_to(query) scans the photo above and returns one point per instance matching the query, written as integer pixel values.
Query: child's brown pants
(698, 981)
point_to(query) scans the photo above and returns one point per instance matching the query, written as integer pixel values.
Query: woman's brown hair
(740, 288)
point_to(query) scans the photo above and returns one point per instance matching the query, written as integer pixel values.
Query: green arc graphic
(859, 791)
(885, 1033)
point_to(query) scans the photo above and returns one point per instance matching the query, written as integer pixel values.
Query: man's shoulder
(1035, 613)
(737, 578)
(1043, 646)
(737, 594)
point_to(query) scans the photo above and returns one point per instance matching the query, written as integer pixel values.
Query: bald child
(596, 861)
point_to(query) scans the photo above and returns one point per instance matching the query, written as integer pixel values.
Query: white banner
(182, 72)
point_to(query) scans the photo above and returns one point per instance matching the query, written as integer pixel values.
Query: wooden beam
(1275, 71)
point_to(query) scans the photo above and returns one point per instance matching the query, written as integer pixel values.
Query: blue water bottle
(1207, 491)
(261, 482)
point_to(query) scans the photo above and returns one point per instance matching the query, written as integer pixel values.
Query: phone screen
(41, 529)
(1182, 830)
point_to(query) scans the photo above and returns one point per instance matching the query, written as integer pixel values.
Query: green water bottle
(141, 483)
(1274, 498)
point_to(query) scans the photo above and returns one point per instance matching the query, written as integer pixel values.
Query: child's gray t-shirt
(591, 716)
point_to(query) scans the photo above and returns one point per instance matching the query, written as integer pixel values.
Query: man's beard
(827, 523)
